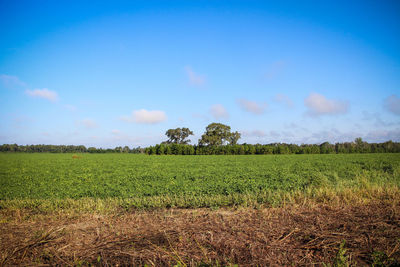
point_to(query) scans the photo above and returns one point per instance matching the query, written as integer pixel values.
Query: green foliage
(178, 136)
(189, 181)
(275, 148)
(218, 134)
(218, 140)
(342, 260)
(66, 149)
(381, 259)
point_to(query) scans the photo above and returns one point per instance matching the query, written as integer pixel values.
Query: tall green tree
(234, 138)
(218, 134)
(178, 136)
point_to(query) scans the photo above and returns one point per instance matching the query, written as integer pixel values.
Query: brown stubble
(298, 235)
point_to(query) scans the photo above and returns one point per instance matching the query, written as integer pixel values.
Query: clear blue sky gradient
(278, 71)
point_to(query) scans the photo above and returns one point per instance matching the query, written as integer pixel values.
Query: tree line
(219, 140)
(216, 140)
(67, 149)
(274, 148)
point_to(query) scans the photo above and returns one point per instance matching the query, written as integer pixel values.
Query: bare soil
(292, 235)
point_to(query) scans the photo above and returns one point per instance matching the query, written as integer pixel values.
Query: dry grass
(295, 234)
(309, 197)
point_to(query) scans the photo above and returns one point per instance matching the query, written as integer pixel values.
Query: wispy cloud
(376, 118)
(218, 111)
(254, 133)
(195, 79)
(251, 106)
(318, 104)
(88, 123)
(10, 81)
(392, 103)
(122, 139)
(383, 135)
(146, 116)
(332, 135)
(43, 93)
(284, 99)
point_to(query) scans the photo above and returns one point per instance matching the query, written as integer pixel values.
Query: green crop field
(191, 181)
(136, 209)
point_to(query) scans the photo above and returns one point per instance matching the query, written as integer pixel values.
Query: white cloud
(88, 123)
(251, 106)
(43, 93)
(392, 103)
(284, 99)
(319, 105)
(146, 116)
(194, 78)
(218, 111)
(10, 81)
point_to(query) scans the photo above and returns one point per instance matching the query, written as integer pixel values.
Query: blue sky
(116, 73)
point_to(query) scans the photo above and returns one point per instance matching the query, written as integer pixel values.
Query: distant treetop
(178, 136)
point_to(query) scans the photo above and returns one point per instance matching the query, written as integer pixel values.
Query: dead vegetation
(293, 235)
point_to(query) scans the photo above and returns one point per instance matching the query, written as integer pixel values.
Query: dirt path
(282, 236)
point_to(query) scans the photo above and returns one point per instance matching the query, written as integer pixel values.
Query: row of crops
(61, 176)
